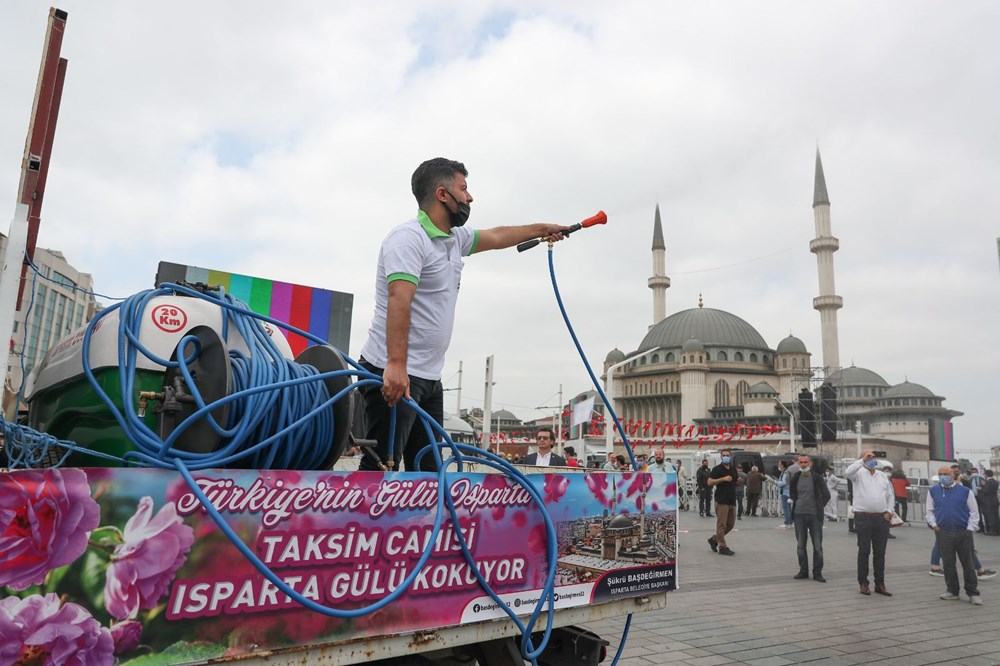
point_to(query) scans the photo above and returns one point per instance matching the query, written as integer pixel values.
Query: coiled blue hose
(268, 430)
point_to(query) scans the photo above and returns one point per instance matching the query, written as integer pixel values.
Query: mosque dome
(791, 345)
(854, 376)
(693, 344)
(504, 415)
(714, 328)
(615, 356)
(908, 390)
(620, 522)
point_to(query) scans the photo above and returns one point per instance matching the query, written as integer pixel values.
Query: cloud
(279, 140)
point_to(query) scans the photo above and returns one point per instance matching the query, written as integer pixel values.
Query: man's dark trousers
(810, 526)
(952, 543)
(873, 535)
(411, 436)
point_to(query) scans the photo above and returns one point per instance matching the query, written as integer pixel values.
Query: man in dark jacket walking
(809, 495)
(704, 493)
(755, 486)
(990, 503)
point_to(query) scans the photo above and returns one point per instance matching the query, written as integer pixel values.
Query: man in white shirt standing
(872, 504)
(416, 290)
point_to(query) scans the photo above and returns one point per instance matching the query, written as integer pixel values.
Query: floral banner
(125, 565)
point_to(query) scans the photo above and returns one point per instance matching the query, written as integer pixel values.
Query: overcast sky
(278, 139)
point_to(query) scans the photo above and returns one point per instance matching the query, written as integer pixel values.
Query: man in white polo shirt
(416, 289)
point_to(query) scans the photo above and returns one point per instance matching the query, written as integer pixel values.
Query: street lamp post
(791, 430)
(609, 427)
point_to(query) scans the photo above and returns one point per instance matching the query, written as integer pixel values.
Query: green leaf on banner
(93, 573)
(179, 653)
(54, 577)
(107, 537)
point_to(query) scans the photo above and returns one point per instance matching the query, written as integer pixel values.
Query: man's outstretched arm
(499, 238)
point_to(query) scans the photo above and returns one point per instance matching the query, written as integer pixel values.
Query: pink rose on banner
(39, 630)
(142, 568)
(555, 487)
(497, 482)
(126, 635)
(45, 521)
(598, 485)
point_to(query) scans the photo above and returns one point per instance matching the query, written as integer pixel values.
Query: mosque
(713, 370)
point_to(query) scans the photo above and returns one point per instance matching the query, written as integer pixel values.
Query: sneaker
(937, 572)
(976, 600)
(948, 596)
(986, 573)
(713, 544)
(726, 551)
(802, 575)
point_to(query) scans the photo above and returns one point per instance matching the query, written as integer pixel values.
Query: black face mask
(461, 216)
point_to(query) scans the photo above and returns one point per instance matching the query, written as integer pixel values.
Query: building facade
(56, 302)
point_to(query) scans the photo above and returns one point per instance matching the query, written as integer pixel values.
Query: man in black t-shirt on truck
(724, 479)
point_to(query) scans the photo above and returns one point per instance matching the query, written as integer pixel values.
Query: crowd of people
(957, 506)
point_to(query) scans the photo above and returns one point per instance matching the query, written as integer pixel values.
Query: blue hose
(607, 405)
(279, 411)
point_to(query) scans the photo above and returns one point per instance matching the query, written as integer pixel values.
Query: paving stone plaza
(747, 609)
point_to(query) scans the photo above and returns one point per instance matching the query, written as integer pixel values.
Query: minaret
(823, 246)
(659, 283)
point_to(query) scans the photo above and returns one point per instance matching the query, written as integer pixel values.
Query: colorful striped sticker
(941, 439)
(322, 312)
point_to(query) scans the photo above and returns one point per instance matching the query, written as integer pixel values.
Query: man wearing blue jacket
(953, 515)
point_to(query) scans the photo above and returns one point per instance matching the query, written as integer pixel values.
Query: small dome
(615, 356)
(854, 376)
(761, 389)
(792, 345)
(693, 344)
(908, 390)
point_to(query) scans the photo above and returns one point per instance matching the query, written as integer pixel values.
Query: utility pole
(559, 434)
(34, 172)
(458, 396)
(488, 407)
(791, 424)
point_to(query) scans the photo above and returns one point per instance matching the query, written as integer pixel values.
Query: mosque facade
(712, 369)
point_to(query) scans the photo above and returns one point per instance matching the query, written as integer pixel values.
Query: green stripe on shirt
(403, 276)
